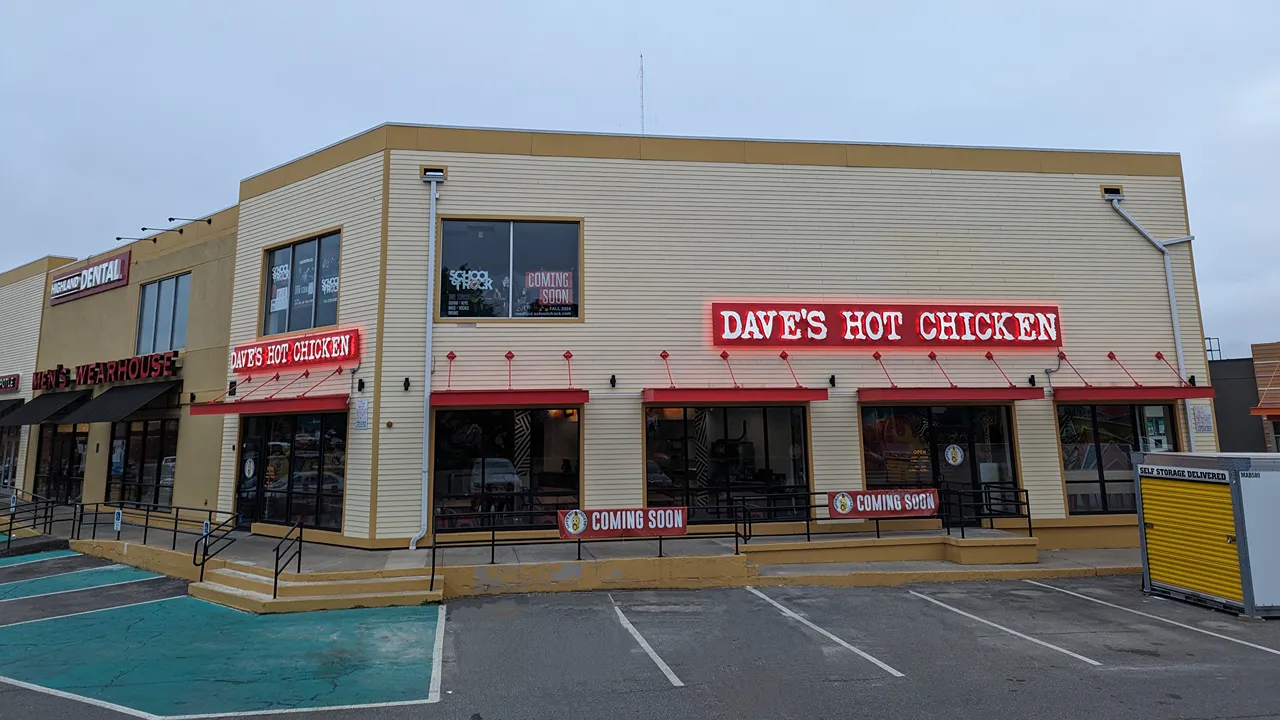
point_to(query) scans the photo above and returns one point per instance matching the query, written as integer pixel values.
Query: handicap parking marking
(183, 657)
(16, 560)
(74, 581)
(1002, 628)
(1157, 618)
(787, 612)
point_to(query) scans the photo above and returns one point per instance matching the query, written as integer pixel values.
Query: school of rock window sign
(977, 326)
(509, 269)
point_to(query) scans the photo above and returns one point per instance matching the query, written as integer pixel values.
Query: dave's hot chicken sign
(326, 348)
(642, 522)
(978, 326)
(883, 503)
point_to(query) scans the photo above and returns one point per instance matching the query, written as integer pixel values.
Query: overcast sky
(115, 115)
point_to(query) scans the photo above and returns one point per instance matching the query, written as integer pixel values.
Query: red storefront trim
(1265, 411)
(509, 398)
(1137, 394)
(699, 396)
(282, 406)
(948, 394)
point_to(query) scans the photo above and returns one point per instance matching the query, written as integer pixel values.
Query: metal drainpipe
(1173, 300)
(433, 177)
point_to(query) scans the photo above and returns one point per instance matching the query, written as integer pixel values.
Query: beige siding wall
(665, 238)
(349, 197)
(20, 306)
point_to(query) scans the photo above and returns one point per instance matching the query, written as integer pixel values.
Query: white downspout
(433, 177)
(1173, 300)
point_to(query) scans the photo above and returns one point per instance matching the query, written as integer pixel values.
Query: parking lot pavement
(963, 650)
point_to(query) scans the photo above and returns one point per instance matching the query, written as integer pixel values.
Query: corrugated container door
(1190, 533)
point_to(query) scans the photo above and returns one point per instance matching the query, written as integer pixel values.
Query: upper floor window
(510, 269)
(162, 315)
(302, 285)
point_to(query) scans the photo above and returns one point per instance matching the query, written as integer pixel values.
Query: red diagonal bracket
(1182, 382)
(889, 377)
(239, 384)
(305, 373)
(664, 355)
(320, 382)
(785, 359)
(1063, 357)
(448, 382)
(264, 384)
(724, 355)
(1112, 357)
(992, 358)
(934, 357)
(568, 365)
(509, 356)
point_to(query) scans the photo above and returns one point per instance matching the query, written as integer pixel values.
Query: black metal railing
(174, 519)
(968, 507)
(287, 549)
(32, 512)
(213, 542)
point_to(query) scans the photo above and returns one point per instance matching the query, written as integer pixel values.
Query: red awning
(722, 395)
(1266, 411)
(282, 406)
(1134, 393)
(509, 398)
(948, 394)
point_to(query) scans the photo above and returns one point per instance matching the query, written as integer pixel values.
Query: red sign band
(316, 349)
(883, 503)
(103, 275)
(635, 522)
(141, 367)
(885, 325)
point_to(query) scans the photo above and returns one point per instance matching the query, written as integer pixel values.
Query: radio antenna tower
(641, 93)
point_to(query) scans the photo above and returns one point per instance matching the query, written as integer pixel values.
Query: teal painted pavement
(185, 656)
(23, 559)
(74, 580)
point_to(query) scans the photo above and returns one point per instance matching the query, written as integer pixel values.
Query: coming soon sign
(873, 504)
(641, 522)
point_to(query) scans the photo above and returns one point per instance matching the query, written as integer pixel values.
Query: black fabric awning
(8, 406)
(41, 408)
(118, 402)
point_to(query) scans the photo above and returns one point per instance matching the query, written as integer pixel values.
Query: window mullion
(511, 270)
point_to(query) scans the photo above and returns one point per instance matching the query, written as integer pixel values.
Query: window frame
(155, 318)
(264, 283)
(166, 439)
(1136, 418)
(437, 302)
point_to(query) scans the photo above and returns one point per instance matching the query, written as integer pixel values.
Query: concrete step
(308, 586)
(263, 603)
(264, 571)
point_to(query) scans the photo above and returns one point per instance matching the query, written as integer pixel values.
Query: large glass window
(143, 462)
(162, 315)
(514, 468)
(293, 470)
(10, 441)
(302, 285)
(712, 459)
(1096, 441)
(955, 447)
(503, 269)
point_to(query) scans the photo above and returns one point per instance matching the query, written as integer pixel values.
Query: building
(621, 321)
(129, 340)
(21, 304)
(1248, 402)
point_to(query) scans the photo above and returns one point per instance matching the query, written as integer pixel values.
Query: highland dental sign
(107, 274)
(872, 325)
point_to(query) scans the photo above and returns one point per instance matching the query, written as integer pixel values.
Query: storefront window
(302, 286)
(713, 459)
(1096, 442)
(511, 468)
(143, 462)
(501, 269)
(897, 447)
(10, 440)
(293, 470)
(162, 315)
(60, 461)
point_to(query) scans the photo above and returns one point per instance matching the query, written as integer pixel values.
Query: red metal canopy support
(664, 355)
(992, 358)
(1112, 357)
(264, 384)
(321, 381)
(509, 356)
(1182, 380)
(934, 357)
(1063, 357)
(448, 381)
(305, 373)
(568, 364)
(785, 359)
(724, 355)
(889, 377)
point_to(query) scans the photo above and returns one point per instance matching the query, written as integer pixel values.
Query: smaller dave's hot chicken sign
(643, 522)
(883, 503)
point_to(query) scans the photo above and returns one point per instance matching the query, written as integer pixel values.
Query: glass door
(65, 478)
(953, 458)
(249, 474)
(10, 440)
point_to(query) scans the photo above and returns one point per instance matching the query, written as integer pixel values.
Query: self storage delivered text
(1182, 473)
(649, 522)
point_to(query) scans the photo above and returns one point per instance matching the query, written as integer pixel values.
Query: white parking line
(87, 612)
(1015, 633)
(789, 613)
(644, 644)
(43, 559)
(437, 659)
(69, 572)
(1156, 617)
(76, 590)
(80, 698)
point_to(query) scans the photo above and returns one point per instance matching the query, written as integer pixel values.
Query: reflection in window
(711, 459)
(304, 475)
(1097, 442)
(521, 464)
(500, 269)
(143, 462)
(302, 286)
(896, 447)
(162, 315)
